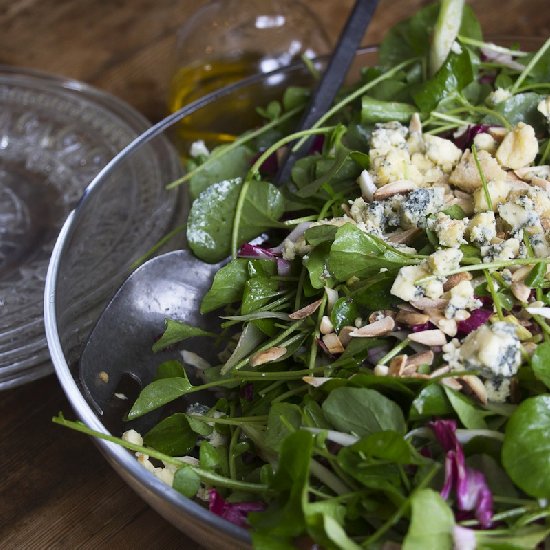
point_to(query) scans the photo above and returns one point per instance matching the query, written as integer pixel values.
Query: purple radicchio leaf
(471, 490)
(465, 140)
(256, 252)
(477, 318)
(269, 167)
(234, 512)
(422, 326)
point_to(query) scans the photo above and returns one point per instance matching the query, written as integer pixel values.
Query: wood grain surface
(56, 490)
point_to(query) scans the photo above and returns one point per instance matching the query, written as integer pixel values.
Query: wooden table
(56, 490)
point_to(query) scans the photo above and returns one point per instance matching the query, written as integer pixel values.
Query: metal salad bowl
(124, 212)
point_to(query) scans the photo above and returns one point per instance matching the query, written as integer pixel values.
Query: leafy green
(526, 449)
(375, 110)
(227, 287)
(172, 436)
(186, 481)
(540, 361)
(432, 523)
(176, 332)
(472, 417)
(362, 411)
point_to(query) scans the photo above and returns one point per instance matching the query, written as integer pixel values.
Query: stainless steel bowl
(123, 212)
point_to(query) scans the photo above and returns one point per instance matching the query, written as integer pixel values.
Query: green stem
(393, 352)
(206, 477)
(493, 292)
(282, 375)
(317, 332)
(228, 148)
(488, 265)
(483, 180)
(357, 93)
(491, 46)
(529, 67)
(233, 421)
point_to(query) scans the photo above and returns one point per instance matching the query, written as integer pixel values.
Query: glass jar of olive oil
(227, 40)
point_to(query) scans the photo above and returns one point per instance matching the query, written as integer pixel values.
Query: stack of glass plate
(55, 136)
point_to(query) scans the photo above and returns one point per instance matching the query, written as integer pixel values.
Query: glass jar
(227, 40)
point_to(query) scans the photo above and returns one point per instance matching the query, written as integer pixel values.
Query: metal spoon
(172, 285)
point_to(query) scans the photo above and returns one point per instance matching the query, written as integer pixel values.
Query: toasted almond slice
(498, 132)
(462, 315)
(542, 311)
(305, 311)
(453, 280)
(520, 273)
(451, 382)
(394, 188)
(444, 369)
(409, 371)
(411, 318)
(397, 364)
(476, 386)
(428, 303)
(383, 326)
(332, 296)
(315, 381)
(433, 337)
(326, 326)
(545, 222)
(267, 356)
(415, 124)
(377, 315)
(542, 183)
(344, 334)
(402, 237)
(333, 344)
(422, 358)
(520, 291)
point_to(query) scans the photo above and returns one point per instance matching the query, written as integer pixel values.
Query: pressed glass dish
(55, 136)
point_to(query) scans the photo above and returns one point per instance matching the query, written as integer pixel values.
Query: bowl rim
(113, 451)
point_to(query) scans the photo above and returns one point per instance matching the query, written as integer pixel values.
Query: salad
(383, 371)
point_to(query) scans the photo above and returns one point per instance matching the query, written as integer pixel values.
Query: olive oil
(225, 118)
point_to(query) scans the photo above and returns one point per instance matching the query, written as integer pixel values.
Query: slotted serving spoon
(172, 285)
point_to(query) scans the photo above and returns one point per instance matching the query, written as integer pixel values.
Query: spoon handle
(332, 79)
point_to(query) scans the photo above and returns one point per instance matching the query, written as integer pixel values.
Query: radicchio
(470, 486)
(254, 251)
(235, 512)
(477, 318)
(465, 140)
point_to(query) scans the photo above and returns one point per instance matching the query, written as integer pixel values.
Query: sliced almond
(415, 124)
(434, 337)
(377, 315)
(403, 237)
(451, 382)
(305, 311)
(383, 326)
(409, 371)
(332, 297)
(395, 188)
(444, 369)
(475, 386)
(428, 303)
(267, 356)
(545, 222)
(397, 364)
(344, 334)
(453, 280)
(326, 326)
(462, 315)
(411, 318)
(542, 183)
(520, 291)
(422, 358)
(333, 344)
(497, 132)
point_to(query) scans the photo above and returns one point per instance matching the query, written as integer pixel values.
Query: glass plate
(55, 137)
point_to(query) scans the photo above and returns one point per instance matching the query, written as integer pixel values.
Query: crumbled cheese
(449, 232)
(466, 175)
(131, 436)
(498, 96)
(482, 229)
(419, 204)
(507, 250)
(518, 216)
(461, 298)
(498, 191)
(518, 148)
(445, 260)
(544, 108)
(493, 348)
(442, 152)
(498, 389)
(486, 142)
(404, 285)
(540, 245)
